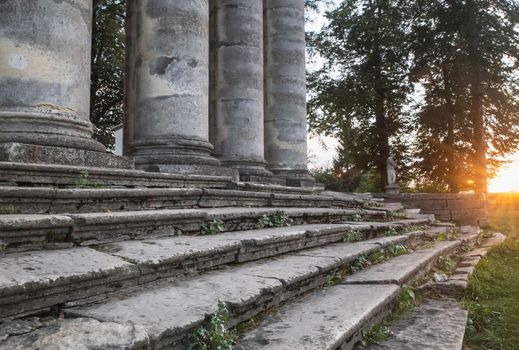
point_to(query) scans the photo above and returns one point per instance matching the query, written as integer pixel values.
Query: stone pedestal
(236, 116)
(167, 87)
(392, 189)
(45, 84)
(285, 91)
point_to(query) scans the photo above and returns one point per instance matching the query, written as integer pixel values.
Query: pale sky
(322, 151)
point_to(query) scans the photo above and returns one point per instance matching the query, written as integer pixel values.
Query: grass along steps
(162, 314)
(38, 280)
(32, 232)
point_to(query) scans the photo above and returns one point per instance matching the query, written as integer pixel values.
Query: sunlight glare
(507, 179)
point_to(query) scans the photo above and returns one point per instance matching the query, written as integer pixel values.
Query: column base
(37, 154)
(252, 172)
(193, 169)
(294, 178)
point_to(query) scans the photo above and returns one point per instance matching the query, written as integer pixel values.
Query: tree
(360, 93)
(465, 56)
(108, 60)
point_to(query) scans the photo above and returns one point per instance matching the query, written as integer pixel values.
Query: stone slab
(325, 320)
(78, 334)
(46, 277)
(434, 325)
(401, 269)
(496, 239)
(24, 153)
(19, 232)
(64, 175)
(168, 314)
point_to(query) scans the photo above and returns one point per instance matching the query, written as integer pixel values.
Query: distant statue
(391, 171)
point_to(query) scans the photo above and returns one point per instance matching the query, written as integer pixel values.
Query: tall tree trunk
(380, 108)
(476, 108)
(449, 141)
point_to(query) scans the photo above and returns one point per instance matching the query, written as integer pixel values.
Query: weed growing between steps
(84, 181)
(8, 210)
(213, 227)
(397, 215)
(363, 261)
(492, 297)
(217, 337)
(279, 219)
(353, 235)
(378, 333)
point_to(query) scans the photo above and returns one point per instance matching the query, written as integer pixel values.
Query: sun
(507, 179)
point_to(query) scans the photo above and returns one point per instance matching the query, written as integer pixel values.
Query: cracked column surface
(236, 118)
(167, 86)
(285, 91)
(45, 81)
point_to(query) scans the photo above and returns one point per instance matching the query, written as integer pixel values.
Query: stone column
(167, 86)
(236, 94)
(45, 84)
(285, 91)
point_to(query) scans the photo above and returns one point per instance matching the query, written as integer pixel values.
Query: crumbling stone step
(335, 317)
(37, 280)
(33, 230)
(63, 175)
(34, 280)
(434, 325)
(165, 313)
(328, 319)
(43, 200)
(169, 313)
(94, 228)
(402, 269)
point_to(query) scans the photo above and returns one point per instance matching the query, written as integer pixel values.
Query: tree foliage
(459, 57)
(108, 60)
(466, 58)
(360, 93)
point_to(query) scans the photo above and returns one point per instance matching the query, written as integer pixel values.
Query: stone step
(402, 269)
(434, 325)
(65, 175)
(94, 228)
(166, 311)
(33, 280)
(23, 174)
(43, 200)
(336, 317)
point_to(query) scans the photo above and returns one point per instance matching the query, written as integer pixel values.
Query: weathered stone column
(167, 86)
(45, 84)
(236, 94)
(285, 91)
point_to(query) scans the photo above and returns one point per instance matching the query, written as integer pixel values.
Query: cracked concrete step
(335, 318)
(42, 200)
(328, 319)
(62, 175)
(166, 312)
(93, 228)
(434, 325)
(402, 269)
(37, 279)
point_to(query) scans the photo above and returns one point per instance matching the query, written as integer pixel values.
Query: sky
(322, 150)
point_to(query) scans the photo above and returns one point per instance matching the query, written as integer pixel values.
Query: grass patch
(493, 295)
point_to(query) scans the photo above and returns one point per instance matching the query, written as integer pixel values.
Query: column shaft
(45, 81)
(167, 86)
(236, 94)
(285, 91)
